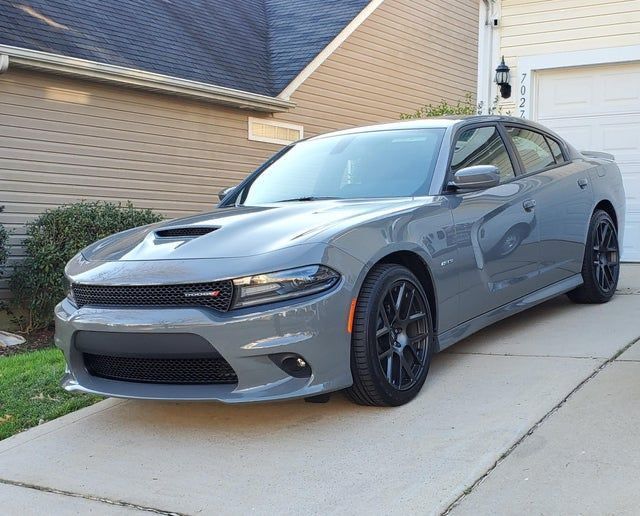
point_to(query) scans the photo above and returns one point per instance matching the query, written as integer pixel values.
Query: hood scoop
(186, 232)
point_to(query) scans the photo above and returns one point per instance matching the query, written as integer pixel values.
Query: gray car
(345, 262)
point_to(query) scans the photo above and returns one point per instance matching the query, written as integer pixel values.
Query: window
(532, 148)
(397, 163)
(482, 146)
(555, 150)
(274, 131)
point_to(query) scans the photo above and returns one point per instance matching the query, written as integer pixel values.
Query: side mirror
(477, 177)
(224, 193)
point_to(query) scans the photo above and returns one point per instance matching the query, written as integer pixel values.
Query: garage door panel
(621, 91)
(631, 178)
(598, 108)
(593, 90)
(630, 250)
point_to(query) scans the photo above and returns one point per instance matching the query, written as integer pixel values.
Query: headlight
(68, 290)
(278, 286)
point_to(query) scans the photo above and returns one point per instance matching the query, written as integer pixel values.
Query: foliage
(30, 392)
(4, 237)
(467, 106)
(52, 240)
(495, 108)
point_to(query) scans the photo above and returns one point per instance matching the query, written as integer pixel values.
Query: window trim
(515, 164)
(560, 146)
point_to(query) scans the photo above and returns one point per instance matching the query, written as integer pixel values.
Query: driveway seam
(107, 501)
(519, 355)
(535, 426)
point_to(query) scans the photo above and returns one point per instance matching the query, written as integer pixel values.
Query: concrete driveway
(537, 414)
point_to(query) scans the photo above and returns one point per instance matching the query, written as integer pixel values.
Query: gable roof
(257, 46)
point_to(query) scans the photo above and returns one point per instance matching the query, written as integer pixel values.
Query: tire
(378, 340)
(601, 262)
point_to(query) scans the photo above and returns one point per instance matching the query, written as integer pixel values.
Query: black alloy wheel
(393, 338)
(606, 258)
(402, 334)
(601, 263)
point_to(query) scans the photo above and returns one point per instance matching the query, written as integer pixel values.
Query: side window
(532, 148)
(482, 146)
(556, 150)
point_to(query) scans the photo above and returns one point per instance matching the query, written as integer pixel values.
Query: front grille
(184, 232)
(186, 371)
(217, 295)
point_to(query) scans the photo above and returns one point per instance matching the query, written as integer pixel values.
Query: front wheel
(392, 340)
(601, 264)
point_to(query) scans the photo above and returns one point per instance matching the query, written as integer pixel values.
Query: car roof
(443, 122)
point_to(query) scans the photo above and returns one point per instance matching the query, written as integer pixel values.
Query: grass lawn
(30, 392)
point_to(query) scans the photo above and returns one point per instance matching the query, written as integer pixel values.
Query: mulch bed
(36, 340)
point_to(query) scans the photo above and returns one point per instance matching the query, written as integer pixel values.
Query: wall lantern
(502, 79)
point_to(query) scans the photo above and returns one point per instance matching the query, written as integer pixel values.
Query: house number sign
(522, 105)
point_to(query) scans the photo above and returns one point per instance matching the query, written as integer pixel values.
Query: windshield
(395, 163)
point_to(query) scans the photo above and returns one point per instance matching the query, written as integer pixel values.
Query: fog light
(292, 364)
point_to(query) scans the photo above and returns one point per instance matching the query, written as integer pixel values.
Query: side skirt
(465, 329)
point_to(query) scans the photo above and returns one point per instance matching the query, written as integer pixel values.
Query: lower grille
(186, 371)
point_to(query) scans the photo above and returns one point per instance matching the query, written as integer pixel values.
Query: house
(166, 102)
(575, 67)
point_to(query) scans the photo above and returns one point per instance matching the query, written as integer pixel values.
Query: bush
(4, 252)
(467, 106)
(52, 240)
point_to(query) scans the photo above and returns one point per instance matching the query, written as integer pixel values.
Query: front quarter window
(391, 163)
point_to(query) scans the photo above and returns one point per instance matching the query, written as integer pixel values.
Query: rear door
(496, 229)
(563, 196)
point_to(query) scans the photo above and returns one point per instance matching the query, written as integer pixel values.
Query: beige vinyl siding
(405, 54)
(549, 26)
(537, 27)
(63, 140)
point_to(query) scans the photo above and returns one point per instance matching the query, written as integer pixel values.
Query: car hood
(243, 231)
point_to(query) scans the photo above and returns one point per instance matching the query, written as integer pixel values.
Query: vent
(273, 131)
(184, 371)
(216, 295)
(190, 232)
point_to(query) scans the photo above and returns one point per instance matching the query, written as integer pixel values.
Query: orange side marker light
(352, 313)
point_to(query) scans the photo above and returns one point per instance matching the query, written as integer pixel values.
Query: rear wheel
(601, 264)
(392, 339)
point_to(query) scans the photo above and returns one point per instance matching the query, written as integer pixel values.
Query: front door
(496, 229)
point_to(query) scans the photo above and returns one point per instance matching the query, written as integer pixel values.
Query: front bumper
(314, 328)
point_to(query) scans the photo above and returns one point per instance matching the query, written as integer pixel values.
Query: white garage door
(598, 108)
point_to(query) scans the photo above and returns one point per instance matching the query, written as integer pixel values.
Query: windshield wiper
(309, 198)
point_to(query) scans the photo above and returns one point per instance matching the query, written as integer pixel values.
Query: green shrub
(4, 252)
(467, 106)
(52, 240)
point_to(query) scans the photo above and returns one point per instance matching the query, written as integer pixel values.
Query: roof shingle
(251, 45)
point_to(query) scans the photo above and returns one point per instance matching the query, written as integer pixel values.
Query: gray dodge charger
(345, 262)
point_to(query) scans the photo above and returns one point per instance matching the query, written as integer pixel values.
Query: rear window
(532, 148)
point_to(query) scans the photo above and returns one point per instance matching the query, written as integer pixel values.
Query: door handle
(529, 204)
(583, 182)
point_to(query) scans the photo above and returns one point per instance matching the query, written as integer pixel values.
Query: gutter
(130, 77)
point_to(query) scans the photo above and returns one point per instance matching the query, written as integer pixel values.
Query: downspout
(485, 42)
(489, 29)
